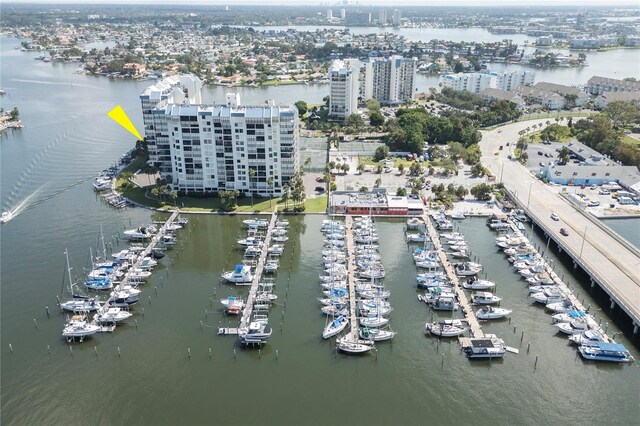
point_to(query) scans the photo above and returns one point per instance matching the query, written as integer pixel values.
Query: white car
(554, 216)
(593, 203)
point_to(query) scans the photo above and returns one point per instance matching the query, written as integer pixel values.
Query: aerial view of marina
(388, 213)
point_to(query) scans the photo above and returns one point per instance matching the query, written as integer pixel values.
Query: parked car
(319, 179)
(593, 203)
(604, 192)
(542, 164)
(564, 232)
(540, 153)
(554, 216)
(320, 188)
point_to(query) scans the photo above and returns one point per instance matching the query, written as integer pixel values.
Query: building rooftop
(627, 85)
(628, 176)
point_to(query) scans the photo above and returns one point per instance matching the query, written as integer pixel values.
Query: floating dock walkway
(469, 314)
(257, 275)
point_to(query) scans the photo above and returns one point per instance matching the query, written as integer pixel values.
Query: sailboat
(78, 327)
(353, 347)
(335, 327)
(78, 303)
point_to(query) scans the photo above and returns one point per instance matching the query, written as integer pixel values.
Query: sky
(386, 3)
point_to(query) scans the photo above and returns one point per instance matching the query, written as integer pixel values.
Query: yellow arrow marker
(119, 116)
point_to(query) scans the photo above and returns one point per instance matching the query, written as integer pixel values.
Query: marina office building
(207, 148)
(390, 80)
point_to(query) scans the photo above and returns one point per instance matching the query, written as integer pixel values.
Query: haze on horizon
(367, 3)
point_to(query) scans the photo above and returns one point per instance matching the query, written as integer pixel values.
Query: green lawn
(316, 205)
(564, 137)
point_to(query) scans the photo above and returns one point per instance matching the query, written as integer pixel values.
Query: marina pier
(470, 316)
(248, 310)
(351, 279)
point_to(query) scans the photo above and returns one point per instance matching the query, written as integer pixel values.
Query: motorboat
(335, 327)
(376, 334)
(173, 227)
(137, 274)
(140, 233)
(250, 242)
(252, 251)
(6, 216)
(111, 315)
(450, 328)
(485, 298)
(258, 332)
(256, 223)
(125, 297)
(444, 303)
(468, 268)
(574, 326)
(490, 313)
(147, 264)
(417, 238)
(489, 346)
(476, 284)
(282, 223)
(233, 305)
(587, 337)
(78, 327)
(276, 250)
(601, 351)
(567, 316)
(168, 240)
(240, 275)
(280, 239)
(271, 267)
(562, 306)
(458, 216)
(549, 295)
(352, 347)
(102, 183)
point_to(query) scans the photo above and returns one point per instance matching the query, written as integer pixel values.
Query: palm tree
(270, 183)
(285, 195)
(252, 173)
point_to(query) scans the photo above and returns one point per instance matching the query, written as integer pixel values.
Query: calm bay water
(68, 138)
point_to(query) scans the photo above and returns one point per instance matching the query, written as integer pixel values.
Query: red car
(564, 232)
(319, 179)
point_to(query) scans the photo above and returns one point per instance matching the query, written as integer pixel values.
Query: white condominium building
(344, 87)
(215, 147)
(390, 80)
(476, 82)
(183, 89)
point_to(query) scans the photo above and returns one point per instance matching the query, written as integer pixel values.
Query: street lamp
(584, 236)
(529, 198)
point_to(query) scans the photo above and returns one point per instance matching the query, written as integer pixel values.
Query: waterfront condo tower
(344, 87)
(208, 148)
(391, 80)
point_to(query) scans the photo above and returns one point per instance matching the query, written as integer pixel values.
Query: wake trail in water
(54, 83)
(22, 205)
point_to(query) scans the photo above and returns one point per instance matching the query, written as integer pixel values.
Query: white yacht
(476, 284)
(600, 351)
(468, 268)
(240, 275)
(376, 334)
(258, 332)
(140, 233)
(485, 298)
(489, 313)
(78, 327)
(6, 216)
(250, 242)
(256, 223)
(111, 315)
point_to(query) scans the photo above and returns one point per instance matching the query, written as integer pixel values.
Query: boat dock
(469, 314)
(257, 275)
(593, 325)
(351, 278)
(152, 244)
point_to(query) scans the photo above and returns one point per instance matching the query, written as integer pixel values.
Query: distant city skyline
(368, 3)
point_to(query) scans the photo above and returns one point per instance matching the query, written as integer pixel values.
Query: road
(614, 265)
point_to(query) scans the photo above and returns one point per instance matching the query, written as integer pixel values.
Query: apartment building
(390, 80)
(599, 85)
(207, 148)
(476, 82)
(344, 87)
